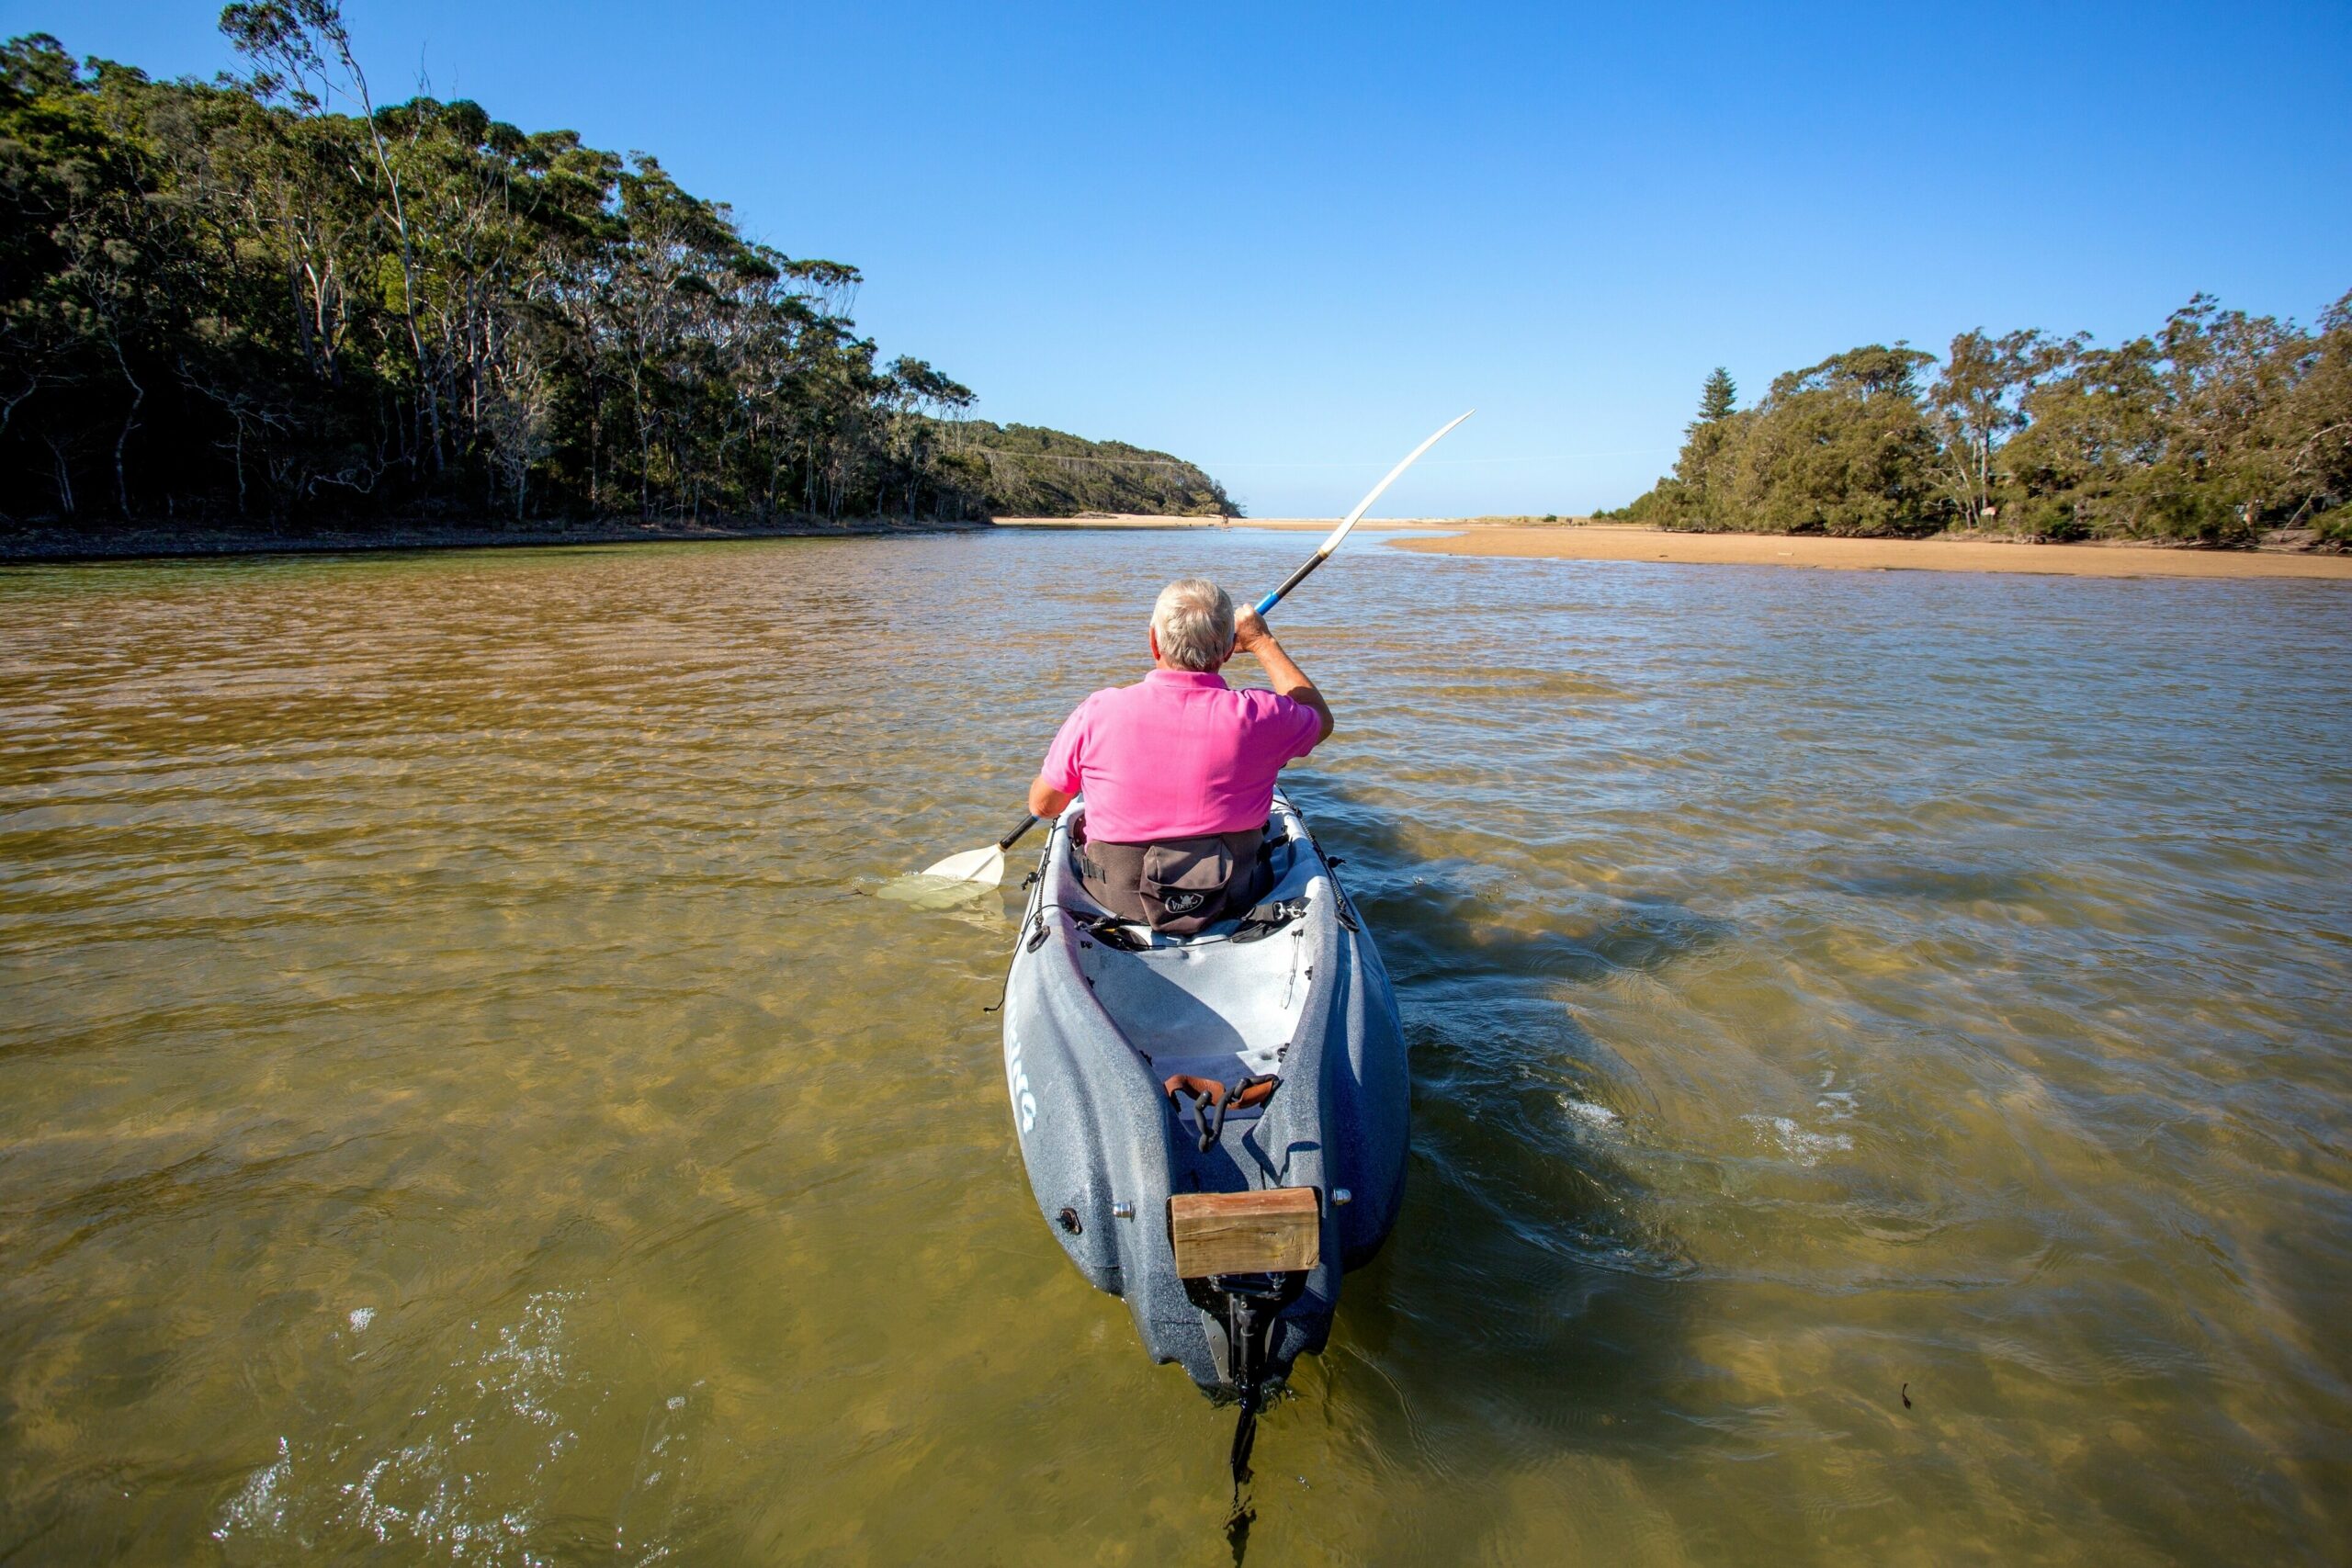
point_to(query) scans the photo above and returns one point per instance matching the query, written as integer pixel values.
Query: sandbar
(1634, 541)
(1148, 520)
(1605, 541)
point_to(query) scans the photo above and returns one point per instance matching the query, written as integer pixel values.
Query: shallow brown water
(461, 1099)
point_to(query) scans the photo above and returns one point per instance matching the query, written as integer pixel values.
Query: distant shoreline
(30, 545)
(1578, 540)
(1144, 520)
(1508, 540)
(1634, 541)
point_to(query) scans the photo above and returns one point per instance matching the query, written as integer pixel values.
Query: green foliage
(235, 300)
(1977, 404)
(2314, 423)
(1699, 494)
(2189, 435)
(1839, 447)
(1717, 398)
(2210, 431)
(1022, 470)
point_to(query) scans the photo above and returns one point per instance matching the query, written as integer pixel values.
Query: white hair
(1195, 619)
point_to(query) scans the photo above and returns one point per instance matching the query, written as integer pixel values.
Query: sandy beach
(1622, 542)
(1619, 541)
(1149, 520)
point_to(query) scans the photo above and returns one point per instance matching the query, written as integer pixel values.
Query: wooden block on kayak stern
(1272, 1232)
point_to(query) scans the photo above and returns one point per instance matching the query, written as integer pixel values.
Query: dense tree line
(230, 302)
(1026, 472)
(2215, 428)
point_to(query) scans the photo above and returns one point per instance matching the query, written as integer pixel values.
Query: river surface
(462, 1098)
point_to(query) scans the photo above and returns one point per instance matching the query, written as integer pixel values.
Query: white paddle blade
(973, 865)
(1352, 518)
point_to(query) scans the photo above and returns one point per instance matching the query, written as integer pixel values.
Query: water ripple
(1881, 1079)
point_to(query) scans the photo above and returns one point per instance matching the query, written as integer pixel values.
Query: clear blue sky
(1290, 241)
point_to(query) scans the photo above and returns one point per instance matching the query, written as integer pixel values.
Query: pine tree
(1718, 397)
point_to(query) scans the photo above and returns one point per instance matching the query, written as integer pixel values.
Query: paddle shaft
(1293, 580)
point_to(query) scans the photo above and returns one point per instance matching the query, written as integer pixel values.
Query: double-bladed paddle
(986, 865)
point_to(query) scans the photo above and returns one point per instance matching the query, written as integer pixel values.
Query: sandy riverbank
(1623, 541)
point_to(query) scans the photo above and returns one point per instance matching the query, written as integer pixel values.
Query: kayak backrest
(1289, 853)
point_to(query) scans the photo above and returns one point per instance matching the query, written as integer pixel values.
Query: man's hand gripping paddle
(986, 865)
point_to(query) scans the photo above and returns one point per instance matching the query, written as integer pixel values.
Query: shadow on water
(1530, 1299)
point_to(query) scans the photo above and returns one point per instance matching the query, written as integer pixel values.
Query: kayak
(1214, 1125)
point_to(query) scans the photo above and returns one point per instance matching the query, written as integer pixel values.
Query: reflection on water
(466, 1095)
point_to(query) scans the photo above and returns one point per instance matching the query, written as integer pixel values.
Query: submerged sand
(1622, 541)
(1151, 520)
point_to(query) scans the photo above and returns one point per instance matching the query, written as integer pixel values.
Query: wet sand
(1618, 541)
(1146, 520)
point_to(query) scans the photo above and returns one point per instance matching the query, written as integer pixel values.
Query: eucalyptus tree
(917, 396)
(2313, 429)
(273, 297)
(292, 42)
(1976, 404)
(2213, 428)
(2177, 434)
(1838, 447)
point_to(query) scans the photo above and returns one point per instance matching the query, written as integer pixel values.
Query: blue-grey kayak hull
(1092, 1030)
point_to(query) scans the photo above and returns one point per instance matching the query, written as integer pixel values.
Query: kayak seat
(1245, 892)
(1277, 903)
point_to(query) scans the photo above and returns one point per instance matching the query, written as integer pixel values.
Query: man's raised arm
(1250, 635)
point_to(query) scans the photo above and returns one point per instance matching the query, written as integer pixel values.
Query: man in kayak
(1178, 770)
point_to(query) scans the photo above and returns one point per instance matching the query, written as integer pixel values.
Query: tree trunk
(294, 287)
(64, 474)
(431, 402)
(123, 438)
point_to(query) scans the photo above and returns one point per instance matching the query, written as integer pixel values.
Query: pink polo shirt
(1178, 755)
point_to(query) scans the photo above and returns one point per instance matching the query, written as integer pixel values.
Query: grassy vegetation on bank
(1027, 471)
(2214, 429)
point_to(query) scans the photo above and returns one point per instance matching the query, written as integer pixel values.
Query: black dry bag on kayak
(1184, 883)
